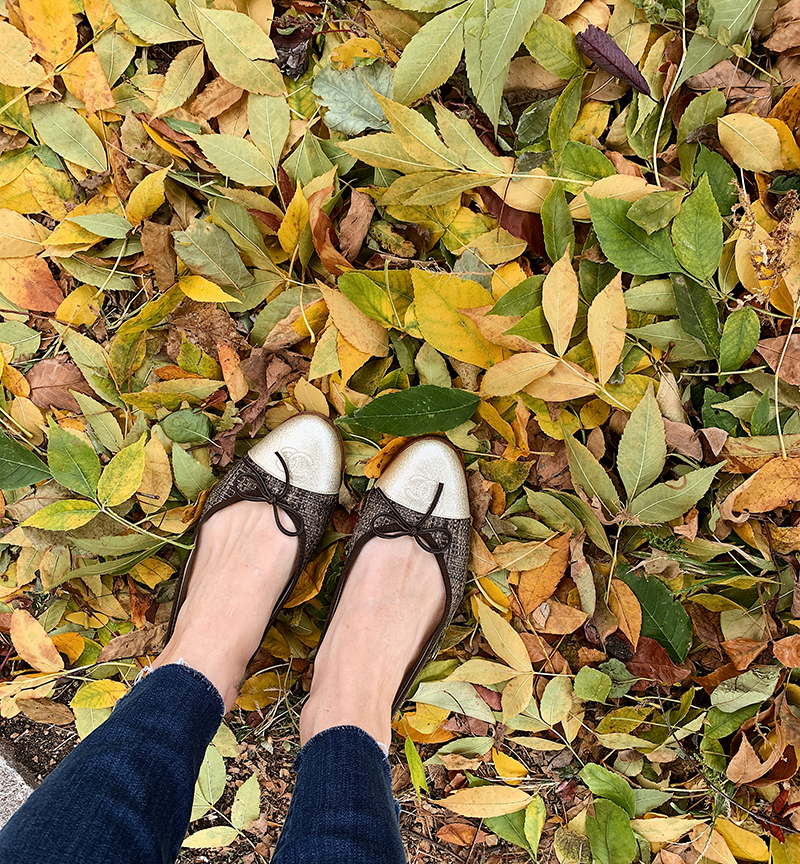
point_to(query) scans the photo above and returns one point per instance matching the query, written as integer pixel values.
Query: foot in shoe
(242, 565)
(393, 600)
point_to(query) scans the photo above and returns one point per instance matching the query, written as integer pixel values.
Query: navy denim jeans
(124, 794)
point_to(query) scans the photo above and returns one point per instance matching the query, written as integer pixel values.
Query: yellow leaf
(294, 222)
(527, 193)
(156, 482)
(147, 197)
(33, 644)
(503, 639)
(360, 48)
(152, 571)
(163, 142)
(51, 28)
(510, 376)
(743, 844)
(361, 332)
(310, 398)
(508, 769)
(438, 299)
(606, 323)
(565, 381)
(311, 579)
(751, 142)
(71, 644)
(621, 187)
(490, 414)
(663, 829)
(560, 302)
(18, 236)
(483, 801)
(628, 394)
(484, 672)
(350, 358)
(122, 476)
(506, 277)
(63, 515)
(517, 695)
(99, 694)
(258, 691)
(16, 67)
(594, 414)
(81, 306)
(204, 290)
(85, 79)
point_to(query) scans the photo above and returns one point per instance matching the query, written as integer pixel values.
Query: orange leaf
(623, 604)
(235, 381)
(537, 584)
(32, 644)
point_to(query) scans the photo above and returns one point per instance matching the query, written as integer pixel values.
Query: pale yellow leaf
(560, 302)
(483, 801)
(606, 323)
(751, 142)
(510, 376)
(504, 639)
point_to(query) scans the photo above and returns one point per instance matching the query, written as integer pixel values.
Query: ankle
(321, 713)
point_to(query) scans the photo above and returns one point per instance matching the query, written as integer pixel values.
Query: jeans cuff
(360, 733)
(184, 668)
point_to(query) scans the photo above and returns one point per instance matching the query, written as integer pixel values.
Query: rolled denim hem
(184, 667)
(333, 730)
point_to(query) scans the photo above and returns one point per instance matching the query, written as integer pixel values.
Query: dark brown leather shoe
(421, 494)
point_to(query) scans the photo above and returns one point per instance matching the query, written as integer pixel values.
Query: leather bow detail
(264, 493)
(434, 540)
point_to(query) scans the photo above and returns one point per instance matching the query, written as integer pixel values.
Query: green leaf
(210, 783)
(606, 784)
(66, 132)
(190, 476)
(559, 232)
(589, 475)
(654, 296)
(187, 427)
(510, 827)
(750, 688)
(581, 162)
(670, 336)
(736, 16)
(268, 117)
(123, 474)
(104, 224)
(462, 140)
(100, 277)
(553, 45)
(63, 515)
(418, 411)
(415, 767)
(241, 227)
(720, 177)
(208, 251)
(349, 97)
(697, 311)
(502, 34)
(237, 158)
(720, 724)
(740, 336)
(701, 111)
(666, 501)
(18, 466)
(520, 299)
(642, 450)
(246, 803)
(431, 56)
(627, 246)
(610, 834)
(369, 297)
(697, 232)
(24, 340)
(592, 685)
(656, 210)
(182, 78)
(154, 21)
(72, 461)
(535, 816)
(663, 617)
(239, 49)
(211, 838)
(564, 115)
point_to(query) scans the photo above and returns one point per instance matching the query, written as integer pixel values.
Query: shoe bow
(431, 539)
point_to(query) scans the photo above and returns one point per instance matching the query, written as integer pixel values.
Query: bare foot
(241, 566)
(392, 601)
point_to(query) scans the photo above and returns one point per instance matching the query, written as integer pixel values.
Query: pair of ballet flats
(297, 468)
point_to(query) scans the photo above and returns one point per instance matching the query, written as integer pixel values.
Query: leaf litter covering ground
(565, 235)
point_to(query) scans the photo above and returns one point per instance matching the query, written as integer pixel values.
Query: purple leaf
(601, 49)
